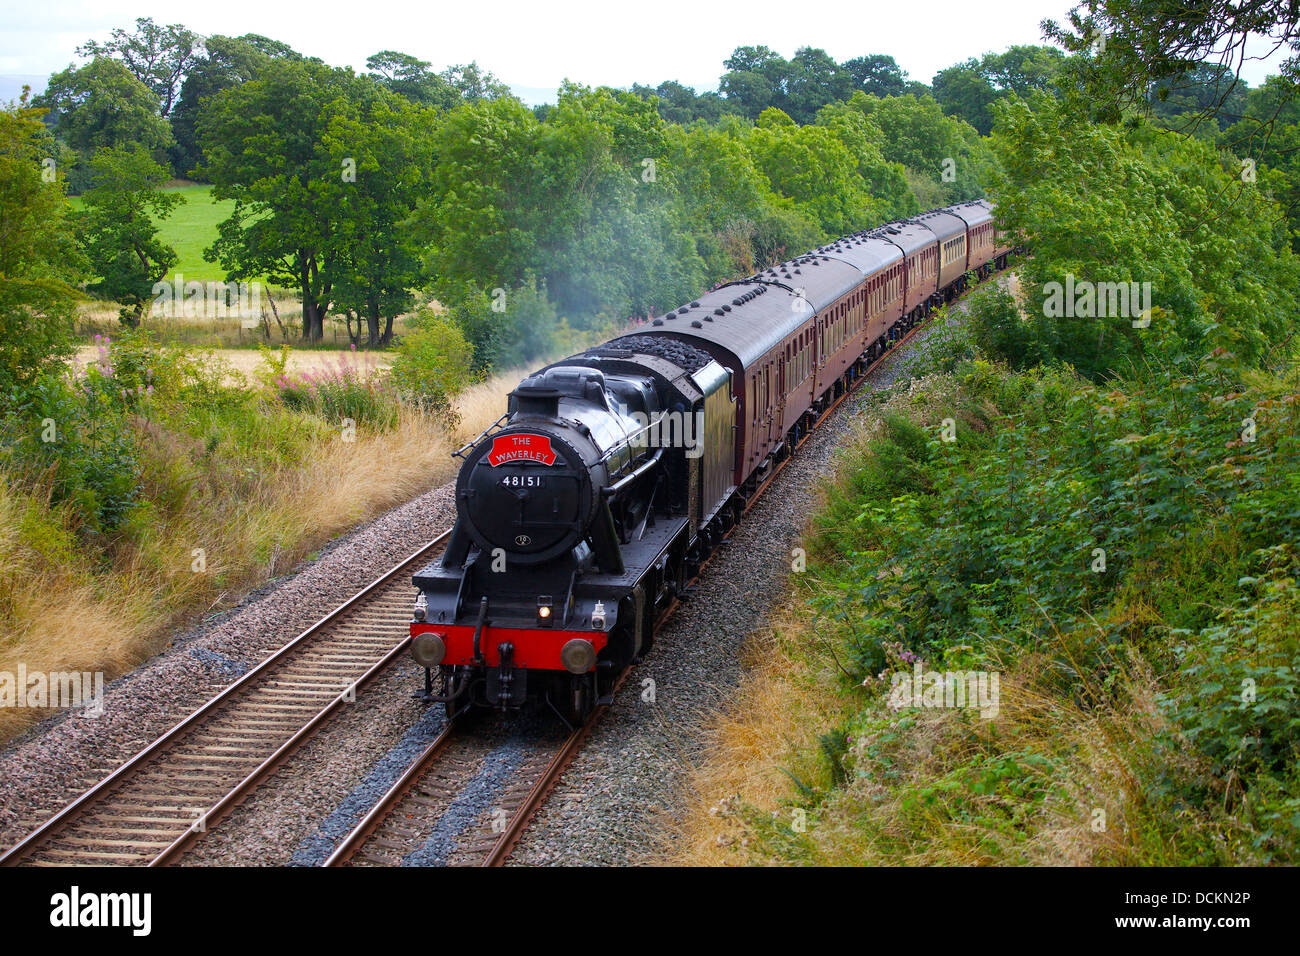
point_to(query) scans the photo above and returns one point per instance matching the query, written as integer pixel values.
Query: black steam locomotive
(583, 512)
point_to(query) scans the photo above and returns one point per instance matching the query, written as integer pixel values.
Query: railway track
(403, 823)
(159, 803)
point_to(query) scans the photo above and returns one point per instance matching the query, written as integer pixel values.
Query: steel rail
(391, 798)
(70, 812)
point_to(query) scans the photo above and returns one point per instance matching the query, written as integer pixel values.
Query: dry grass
(1063, 775)
(63, 613)
(225, 332)
(1085, 765)
(245, 361)
(63, 609)
(751, 744)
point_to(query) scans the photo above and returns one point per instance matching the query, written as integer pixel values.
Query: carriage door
(782, 379)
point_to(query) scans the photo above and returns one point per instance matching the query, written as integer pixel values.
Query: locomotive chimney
(533, 399)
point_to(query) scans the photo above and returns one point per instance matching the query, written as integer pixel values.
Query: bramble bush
(1075, 525)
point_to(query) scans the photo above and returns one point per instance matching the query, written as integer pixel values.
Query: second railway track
(158, 803)
(402, 825)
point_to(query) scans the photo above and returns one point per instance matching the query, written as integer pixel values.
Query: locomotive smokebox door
(526, 492)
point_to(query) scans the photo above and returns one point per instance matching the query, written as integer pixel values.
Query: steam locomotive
(586, 510)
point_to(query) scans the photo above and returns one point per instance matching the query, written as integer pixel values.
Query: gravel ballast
(61, 757)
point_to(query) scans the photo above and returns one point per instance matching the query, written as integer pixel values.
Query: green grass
(190, 229)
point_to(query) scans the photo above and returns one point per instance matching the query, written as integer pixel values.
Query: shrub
(344, 391)
(73, 441)
(433, 364)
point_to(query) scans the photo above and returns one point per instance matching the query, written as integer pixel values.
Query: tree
(1128, 47)
(158, 56)
(758, 78)
(584, 203)
(754, 80)
(412, 78)
(1268, 135)
(380, 261)
(229, 61)
(970, 88)
(265, 148)
(474, 84)
(103, 105)
(1207, 89)
(1144, 200)
(117, 230)
(325, 169)
(964, 91)
(738, 222)
(876, 75)
(680, 104)
(812, 166)
(38, 258)
(813, 80)
(915, 133)
(1022, 69)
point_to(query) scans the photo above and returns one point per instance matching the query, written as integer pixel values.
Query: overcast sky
(533, 46)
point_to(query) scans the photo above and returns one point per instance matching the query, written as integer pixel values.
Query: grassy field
(245, 361)
(190, 229)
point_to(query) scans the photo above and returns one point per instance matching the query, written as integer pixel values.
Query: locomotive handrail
(460, 452)
(609, 491)
(628, 440)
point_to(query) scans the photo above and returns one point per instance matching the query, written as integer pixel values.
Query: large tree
(1133, 46)
(38, 258)
(412, 78)
(813, 80)
(265, 149)
(969, 89)
(915, 132)
(324, 168)
(877, 75)
(755, 79)
(379, 259)
(158, 56)
(229, 61)
(102, 105)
